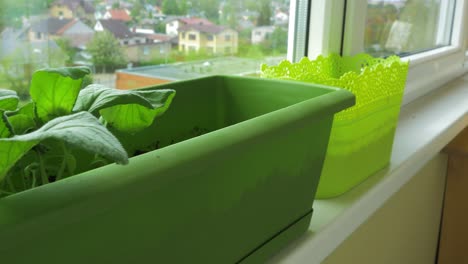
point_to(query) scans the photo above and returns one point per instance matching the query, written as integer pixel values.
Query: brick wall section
(126, 81)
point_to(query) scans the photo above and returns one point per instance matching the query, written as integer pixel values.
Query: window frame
(338, 27)
(192, 36)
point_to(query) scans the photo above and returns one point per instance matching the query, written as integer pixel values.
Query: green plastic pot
(362, 136)
(234, 194)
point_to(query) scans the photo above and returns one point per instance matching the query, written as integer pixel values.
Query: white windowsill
(426, 125)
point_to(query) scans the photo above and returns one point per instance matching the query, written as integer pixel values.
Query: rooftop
(210, 29)
(158, 37)
(196, 69)
(51, 25)
(120, 14)
(117, 28)
(195, 21)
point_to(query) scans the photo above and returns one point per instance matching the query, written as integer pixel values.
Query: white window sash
(428, 70)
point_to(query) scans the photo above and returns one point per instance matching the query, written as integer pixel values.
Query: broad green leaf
(4, 130)
(131, 118)
(96, 97)
(54, 91)
(11, 152)
(75, 73)
(81, 130)
(22, 120)
(8, 100)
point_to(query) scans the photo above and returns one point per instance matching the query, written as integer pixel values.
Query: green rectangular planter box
(237, 193)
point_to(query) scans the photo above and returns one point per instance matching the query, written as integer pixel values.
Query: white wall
(406, 228)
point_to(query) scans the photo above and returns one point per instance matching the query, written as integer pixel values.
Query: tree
(66, 47)
(159, 27)
(279, 41)
(229, 14)
(264, 10)
(170, 7)
(12, 11)
(183, 7)
(137, 12)
(106, 51)
(210, 8)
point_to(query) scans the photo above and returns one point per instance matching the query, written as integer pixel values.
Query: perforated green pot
(237, 193)
(362, 136)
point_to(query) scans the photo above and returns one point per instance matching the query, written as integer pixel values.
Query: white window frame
(326, 27)
(326, 34)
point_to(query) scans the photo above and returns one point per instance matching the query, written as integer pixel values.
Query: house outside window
(192, 37)
(210, 37)
(227, 37)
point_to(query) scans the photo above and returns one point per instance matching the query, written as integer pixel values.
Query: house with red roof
(210, 38)
(118, 14)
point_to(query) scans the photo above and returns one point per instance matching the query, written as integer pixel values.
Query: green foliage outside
(137, 12)
(229, 14)
(11, 11)
(275, 44)
(174, 7)
(106, 51)
(210, 9)
(264, 9)
(67, 48)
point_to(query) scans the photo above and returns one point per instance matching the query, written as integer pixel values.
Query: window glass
(192, 37)
(406, 27)
(71, 33)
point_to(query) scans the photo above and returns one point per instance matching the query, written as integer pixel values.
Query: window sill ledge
(426, 125)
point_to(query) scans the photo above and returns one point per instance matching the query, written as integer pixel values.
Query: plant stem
(103, 121)
(33, 184)
(10, 184)
(64, 162)
(30, 173)
(44, 177)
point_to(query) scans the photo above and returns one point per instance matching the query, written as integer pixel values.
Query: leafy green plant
(64, 129)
